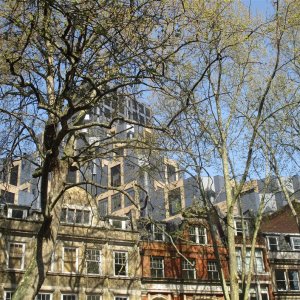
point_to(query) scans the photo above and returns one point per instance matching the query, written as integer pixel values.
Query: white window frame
(99, 261)
(5, 295)
(50, 294)
(123, 223)
(69, 294)
(269, 244)
(212, 268)
(156, 229)
(197, 234)
(63, 260)
(10, 212)
(23, 255)
(126, 263)
(189, 266)
(162, 264)
(247, 260)
(293, 243)
(240, 230)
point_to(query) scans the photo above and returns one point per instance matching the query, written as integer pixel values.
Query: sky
(260, 6)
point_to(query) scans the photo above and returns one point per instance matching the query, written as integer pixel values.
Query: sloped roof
(282, 221)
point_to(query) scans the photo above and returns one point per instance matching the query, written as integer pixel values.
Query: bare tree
(60, 61)
(224, 114)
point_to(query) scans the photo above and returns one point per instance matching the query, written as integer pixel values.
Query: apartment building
(179, 263)
(283, 241)
(93, 259)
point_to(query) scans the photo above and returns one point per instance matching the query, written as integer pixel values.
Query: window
(198, 235)
(287, 280)
(280, 280)
(8, 295)
(14, 172)
(120, 266)
(16, 252)
(68, 297)
(121, 298)
(258, 261)
(118, 224)
(116, 202)
(157, 266)
(93, 261)
(71, 176)
(70, 260)
(171, 172)
(43, 296)
(157, 232)
(93, 297)
(103, 207)
(273, 243)
(115, 174)
(239, 227)
(212, 270)
(188, 269)
(78, 216)
(17, 213)
(7, 197)
(131, 193)
(295, 243)
(174, 197)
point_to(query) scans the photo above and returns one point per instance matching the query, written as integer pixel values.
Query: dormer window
(157, 232)
(295, 243)
(198, 235)
(273, 243)
(239, 227)
(119, 223)
(17, 213)
(75, 215)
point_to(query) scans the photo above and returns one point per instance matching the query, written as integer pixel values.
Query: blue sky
(263, 7)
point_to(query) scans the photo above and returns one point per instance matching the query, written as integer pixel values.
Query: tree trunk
(45, 240)
(233, 275)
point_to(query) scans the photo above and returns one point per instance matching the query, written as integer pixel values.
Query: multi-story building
(179, 263)
(93, 259)
(283, 240)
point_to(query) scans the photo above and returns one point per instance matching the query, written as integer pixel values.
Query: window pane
(174, 197)
(93, 297)
(116, 202)
(120, 263)
(296, 243)
(93, 261)
(15, 256)
(103, 207)
(70, 215)
(69, 297)
(212, 270)
(273, 246)
(280, 280)
(43, 296)
(131, 193)
(14, 175)
(157, 267)
(86, 217)
(79, 216)
(188, 269)
(70, 260)
(115, 175)
(293, 280)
